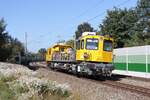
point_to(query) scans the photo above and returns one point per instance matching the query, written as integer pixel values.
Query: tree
(9, 47)
(84, 27)
(3, 34)
(17, 47)
(42, 53)
(128, 27)
(118, 24)
(142, 28)
(4, 41)
(70, 43)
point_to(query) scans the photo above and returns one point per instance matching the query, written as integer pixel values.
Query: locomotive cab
(94, 48)
(95, 52)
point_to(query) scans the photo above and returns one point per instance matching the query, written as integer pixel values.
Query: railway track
(123, 86)
(132, 88)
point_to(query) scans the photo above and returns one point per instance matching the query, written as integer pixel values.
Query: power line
(87, 10)
(96, 16)
(26, 43)
(94, 6)
(101, 14)
(122, 3)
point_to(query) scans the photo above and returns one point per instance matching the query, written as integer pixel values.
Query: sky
(47, 21)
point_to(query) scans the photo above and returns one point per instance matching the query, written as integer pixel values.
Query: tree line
(128, 27)
(9, 46)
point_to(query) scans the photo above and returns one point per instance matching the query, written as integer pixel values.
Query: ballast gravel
(84, 89)
(137, 82)
(89, 90)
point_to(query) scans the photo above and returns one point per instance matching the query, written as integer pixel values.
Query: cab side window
(82, 44)
(62, 49)
(78, 45)
(49, 52)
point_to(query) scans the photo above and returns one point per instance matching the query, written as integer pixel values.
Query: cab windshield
(108, 45)
(92, 44)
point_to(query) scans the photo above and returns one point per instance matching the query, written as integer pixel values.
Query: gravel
(88, 90)
(132, 81)
(84, 89)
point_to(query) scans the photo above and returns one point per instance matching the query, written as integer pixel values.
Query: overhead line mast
(26, 43)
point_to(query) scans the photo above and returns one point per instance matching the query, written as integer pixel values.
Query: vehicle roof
(61, 45)
(96, 36)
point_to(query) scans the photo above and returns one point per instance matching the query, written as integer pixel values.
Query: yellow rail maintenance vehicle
(93, 55)
(60, 56)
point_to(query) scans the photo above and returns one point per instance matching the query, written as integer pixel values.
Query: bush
(7, 78)
(23, 84)
(5, 92)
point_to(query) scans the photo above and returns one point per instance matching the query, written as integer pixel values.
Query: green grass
(21, 89)
(10, 89)
(51, 94)
(7, 79)
(5, 92)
